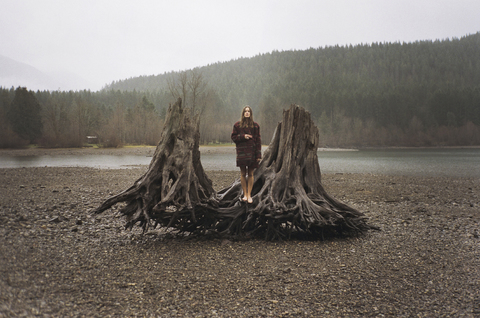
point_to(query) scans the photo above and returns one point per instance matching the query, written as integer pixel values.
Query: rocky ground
(58, 260)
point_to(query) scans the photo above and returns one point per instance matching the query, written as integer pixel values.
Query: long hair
(246, 121)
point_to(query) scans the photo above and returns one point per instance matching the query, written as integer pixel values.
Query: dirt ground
(58, 260)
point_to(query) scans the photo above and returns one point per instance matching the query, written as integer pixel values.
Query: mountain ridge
(14, 74)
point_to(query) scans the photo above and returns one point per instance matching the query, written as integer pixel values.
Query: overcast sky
(103, 40)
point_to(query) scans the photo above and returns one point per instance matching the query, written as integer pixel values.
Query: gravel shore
(58, 260)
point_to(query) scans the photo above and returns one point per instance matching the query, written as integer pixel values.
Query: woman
(246, 136)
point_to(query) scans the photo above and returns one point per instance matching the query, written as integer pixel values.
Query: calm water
(427, 162)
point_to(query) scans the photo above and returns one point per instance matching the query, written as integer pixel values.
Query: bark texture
(288, 196)
(175, 191)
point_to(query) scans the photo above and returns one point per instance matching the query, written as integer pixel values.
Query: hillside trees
(8, 138)
(381, 87)
(425, 93)
(84, 120)
(24, 115)
(143, 124)
(191, 87)
(67, 118)
(56, 124)
(216, 121)
(269, 116)
(113, 131)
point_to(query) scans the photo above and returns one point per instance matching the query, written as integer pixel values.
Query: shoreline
(149, 150)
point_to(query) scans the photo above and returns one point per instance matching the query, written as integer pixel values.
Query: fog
(87, 44)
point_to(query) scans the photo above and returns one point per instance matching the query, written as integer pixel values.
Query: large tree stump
(288, 196)
(175, 191)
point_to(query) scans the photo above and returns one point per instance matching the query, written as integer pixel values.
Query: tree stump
(288, 196)
(175, 191)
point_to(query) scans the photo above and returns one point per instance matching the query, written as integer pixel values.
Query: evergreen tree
(363, 95)
(24, 115)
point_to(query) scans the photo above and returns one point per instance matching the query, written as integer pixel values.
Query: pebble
(424, 261)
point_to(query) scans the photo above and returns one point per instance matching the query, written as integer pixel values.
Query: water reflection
(427, 162)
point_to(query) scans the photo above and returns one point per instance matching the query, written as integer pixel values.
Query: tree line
(425, 93)
(113, 117)
(65, 119)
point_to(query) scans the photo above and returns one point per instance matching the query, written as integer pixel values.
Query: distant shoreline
(150, 150)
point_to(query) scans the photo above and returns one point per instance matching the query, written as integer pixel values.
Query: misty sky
(103, 41)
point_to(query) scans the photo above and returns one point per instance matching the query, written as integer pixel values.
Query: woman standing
(246, 136)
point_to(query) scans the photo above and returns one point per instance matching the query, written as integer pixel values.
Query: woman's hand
(247, 136)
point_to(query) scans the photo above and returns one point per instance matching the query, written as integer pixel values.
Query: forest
(418, 94)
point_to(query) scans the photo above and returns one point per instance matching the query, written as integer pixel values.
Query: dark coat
(248, 150)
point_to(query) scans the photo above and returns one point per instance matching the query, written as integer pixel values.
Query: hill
(425, 93)
(14, 74)
(396, 86)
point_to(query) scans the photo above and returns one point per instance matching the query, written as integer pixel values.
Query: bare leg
(243, 181)
(250, 185)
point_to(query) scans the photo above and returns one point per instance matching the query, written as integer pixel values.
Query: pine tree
(25, 115)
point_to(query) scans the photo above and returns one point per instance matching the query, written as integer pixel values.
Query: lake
(426, 162)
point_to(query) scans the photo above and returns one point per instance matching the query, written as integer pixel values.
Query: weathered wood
(288, 196)
(175, 190)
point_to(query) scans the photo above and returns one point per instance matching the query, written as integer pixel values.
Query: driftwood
(288, 197)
